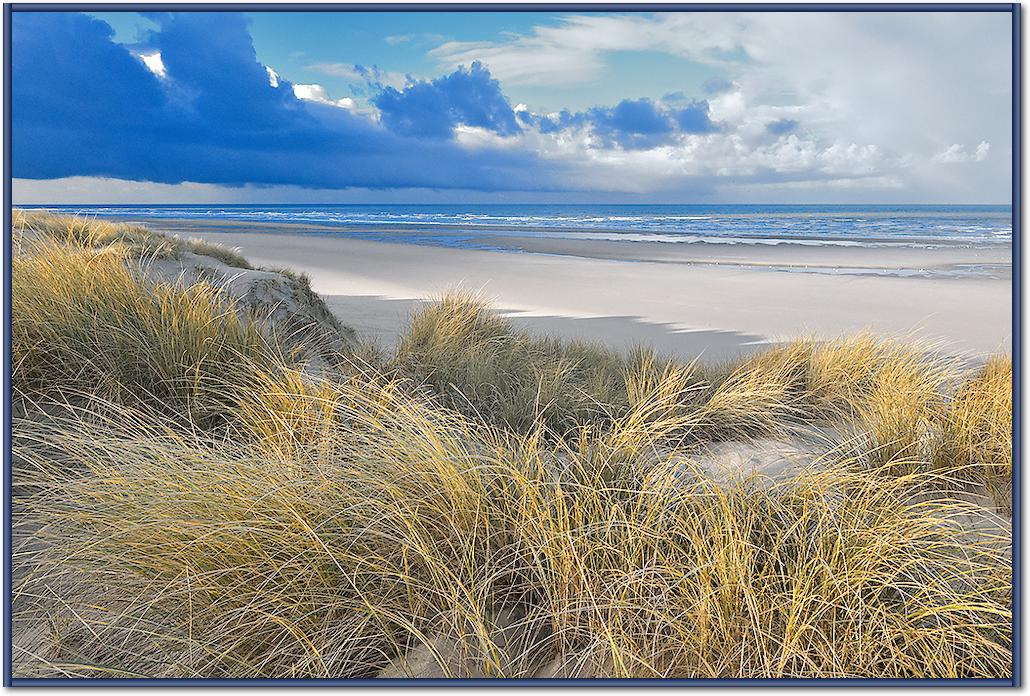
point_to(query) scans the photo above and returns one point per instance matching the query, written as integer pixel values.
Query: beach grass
(138, 240)
(83, 320)
(191, 500)
(480, 365)
(403, 525)
(977, 429)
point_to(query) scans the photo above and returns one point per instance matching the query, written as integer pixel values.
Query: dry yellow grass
(894, 394)
(406, 523)
(977, 429)
(82, 319)
(199, 506)
(95, 233)
(477, 363)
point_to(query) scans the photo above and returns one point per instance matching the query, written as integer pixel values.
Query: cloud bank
(433, 109)
(86, 106)
(809, 106)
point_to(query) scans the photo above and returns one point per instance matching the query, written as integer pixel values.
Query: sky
(688, 107)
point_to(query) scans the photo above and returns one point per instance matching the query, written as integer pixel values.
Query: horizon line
(352, 203)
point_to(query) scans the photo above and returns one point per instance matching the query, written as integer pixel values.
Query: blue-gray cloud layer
(84, 105)
(775, 125)
(87, 106)
(631, 124)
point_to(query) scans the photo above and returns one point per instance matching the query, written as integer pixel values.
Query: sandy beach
(685, 300)
(231, 420)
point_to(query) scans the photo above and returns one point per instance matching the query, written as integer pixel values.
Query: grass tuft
(83, 321)
(978, 429)
(478, 364)
(135, 239)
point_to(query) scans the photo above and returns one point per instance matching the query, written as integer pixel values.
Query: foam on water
(456, 225)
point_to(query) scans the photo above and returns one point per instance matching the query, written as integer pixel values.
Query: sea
(468, 225)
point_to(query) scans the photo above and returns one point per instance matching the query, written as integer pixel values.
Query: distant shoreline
(947, 260)
(507, 226)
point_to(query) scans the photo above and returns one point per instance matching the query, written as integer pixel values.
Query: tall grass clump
(82, 320)
(891, 394)
(902, 406)
(655, 572)
(762, 394)
(477, 363)
(247, 560)
(978, 428)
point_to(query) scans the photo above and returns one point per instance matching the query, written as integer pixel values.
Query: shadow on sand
(382, 320)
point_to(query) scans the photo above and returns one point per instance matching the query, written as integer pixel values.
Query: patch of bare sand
(693, 309)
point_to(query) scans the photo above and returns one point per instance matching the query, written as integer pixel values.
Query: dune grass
(480, 365)
(476, 362)
(898, 402)
(82, 320)
(406, 524)
(139, 240)
(201, 506)
(977, 430)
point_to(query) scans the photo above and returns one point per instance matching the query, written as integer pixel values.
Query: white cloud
(273, 77)
(731, 106)
(355, 73)
(875, 94)
(699, 162)
(397, 39)
(317, 93)
(154, 63)
(574, 50)
(957, 153)
(951, 154)
(344, 70)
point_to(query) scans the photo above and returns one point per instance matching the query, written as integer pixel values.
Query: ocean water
(466, 225)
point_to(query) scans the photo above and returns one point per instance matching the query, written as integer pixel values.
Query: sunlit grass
(977, 429)
(191, 502)
(141, 241)
(82, 319)
(480, 365)
(406, 524)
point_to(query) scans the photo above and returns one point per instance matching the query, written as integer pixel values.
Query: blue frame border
(519, 7)
(1017, 342)
(1017, 162)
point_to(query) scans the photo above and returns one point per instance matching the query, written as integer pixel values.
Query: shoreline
(684, 309)
(832, 255)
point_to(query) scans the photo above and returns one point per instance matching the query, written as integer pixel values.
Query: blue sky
(673, 107)
(301, 45)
